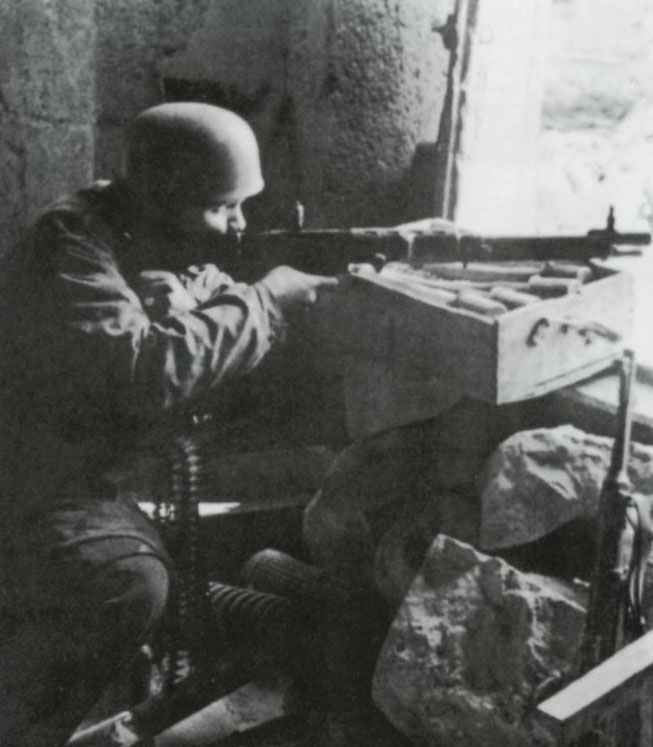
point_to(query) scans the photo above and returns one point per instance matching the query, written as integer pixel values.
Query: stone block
(470, 648)
(47, 103)
(541, 479)
(55, 68)
(58, 159)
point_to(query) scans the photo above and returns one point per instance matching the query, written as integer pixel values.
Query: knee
(152, 582)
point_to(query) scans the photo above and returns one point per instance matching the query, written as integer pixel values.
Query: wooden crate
(523, 353)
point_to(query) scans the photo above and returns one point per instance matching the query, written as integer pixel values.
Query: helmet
(182, 154)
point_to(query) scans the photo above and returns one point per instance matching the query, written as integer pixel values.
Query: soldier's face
(219, 218)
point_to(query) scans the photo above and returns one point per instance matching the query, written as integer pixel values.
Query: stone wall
(46, 105)
(72, 72)
(347, 98)
(341, 94)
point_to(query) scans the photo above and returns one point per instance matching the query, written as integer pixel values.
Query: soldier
(103, 336)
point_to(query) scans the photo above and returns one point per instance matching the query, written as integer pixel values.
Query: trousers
(81, 593)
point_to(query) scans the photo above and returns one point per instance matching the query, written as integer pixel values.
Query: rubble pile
(477, 639)
(473, 645)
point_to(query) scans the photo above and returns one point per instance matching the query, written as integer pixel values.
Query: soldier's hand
(292, 288)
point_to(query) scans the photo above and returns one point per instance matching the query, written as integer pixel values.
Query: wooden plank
(219, 506)
(242, 710)
(596, 697)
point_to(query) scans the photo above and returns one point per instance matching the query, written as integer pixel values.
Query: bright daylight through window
(596, 139)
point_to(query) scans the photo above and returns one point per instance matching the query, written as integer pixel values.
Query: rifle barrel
(333, 248)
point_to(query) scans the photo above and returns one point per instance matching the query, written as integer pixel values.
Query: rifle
(330, 251)
(613, 617)
(615, 665)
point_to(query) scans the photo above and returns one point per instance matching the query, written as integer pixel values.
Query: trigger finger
(326, 281)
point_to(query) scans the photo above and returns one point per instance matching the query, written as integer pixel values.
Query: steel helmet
(185, 153)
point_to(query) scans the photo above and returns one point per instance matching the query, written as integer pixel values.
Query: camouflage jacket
(97, 347)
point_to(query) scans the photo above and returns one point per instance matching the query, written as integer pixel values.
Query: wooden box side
(558, 342)
(426, 339)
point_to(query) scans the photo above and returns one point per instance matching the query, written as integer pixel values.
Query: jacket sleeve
(153, 363)
(205, 282)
